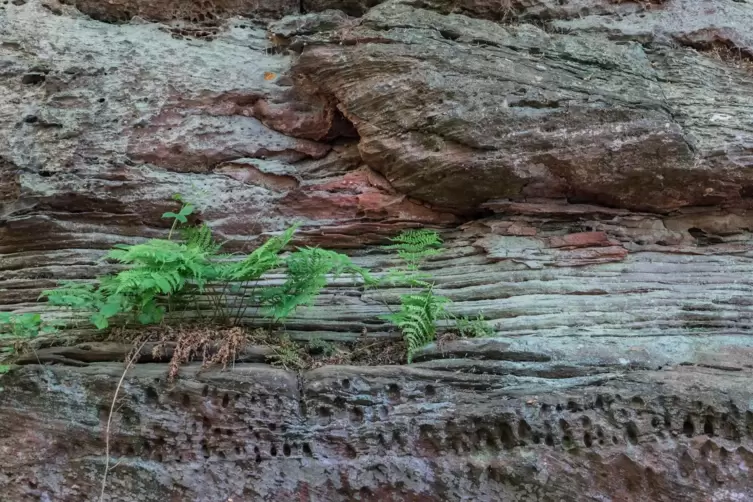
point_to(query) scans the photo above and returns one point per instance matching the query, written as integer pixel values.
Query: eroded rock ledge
(383, 433)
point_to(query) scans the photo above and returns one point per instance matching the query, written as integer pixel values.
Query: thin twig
(129, 363)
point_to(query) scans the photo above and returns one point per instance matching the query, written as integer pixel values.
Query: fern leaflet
(417, 319)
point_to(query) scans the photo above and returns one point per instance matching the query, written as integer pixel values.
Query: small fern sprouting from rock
(171, 275)
(473, 327)
(416, 245)
(201, 238)
(417, 319)
(307, 271)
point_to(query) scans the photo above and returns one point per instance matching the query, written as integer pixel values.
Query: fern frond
(263, 259)
(307, 270)
(201, 237)
(415, 245)
(417, 319)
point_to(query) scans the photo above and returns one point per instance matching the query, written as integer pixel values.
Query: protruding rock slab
(456, 111)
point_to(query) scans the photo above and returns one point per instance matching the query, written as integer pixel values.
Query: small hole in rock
(524, 430)
(356, 415)
(273, 451)
(396, 436)
(393, 391)
(549, 440)
(151, 394)
(587, 440)
(599, 403)
(307, 450)
(286, 449)
(345, 383)
(632, 433)
(225, 400)
(688, 428)
(186, 400)
(567, 441)
(431, 391)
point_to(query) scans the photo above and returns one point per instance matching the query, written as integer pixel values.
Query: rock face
(535, 431)
(588, 162)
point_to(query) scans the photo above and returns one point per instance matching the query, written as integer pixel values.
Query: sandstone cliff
(589, 163)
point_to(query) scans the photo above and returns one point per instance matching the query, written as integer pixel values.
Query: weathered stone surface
(343, 433)
(197, 11)
(697, 24)
(447, 101)
(498, 10)
(591, 178)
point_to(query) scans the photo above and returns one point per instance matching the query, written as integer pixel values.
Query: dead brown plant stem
(131, 360)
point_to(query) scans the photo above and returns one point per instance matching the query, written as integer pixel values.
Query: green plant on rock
(17, 328)
(419, 311)
(413, 247)
(288, 354)
(23, 326)
(473, 327)
(174, 275)
(307, 270)
(318, 346)
(417, 319)
(154, 273)
(243, 276)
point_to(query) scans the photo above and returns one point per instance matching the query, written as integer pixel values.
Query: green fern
(29, 325)
(307, 270)
(473, 327)
(246, 273)
(156, 269)
(416, 245)
(417, 319)
(85, 296)
(161, 275)
(263, 259)
(201, 237)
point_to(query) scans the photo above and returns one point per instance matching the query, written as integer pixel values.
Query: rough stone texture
(197, 11)
(395, 434)
(583, 117)
(500, 10)
(591, 175)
